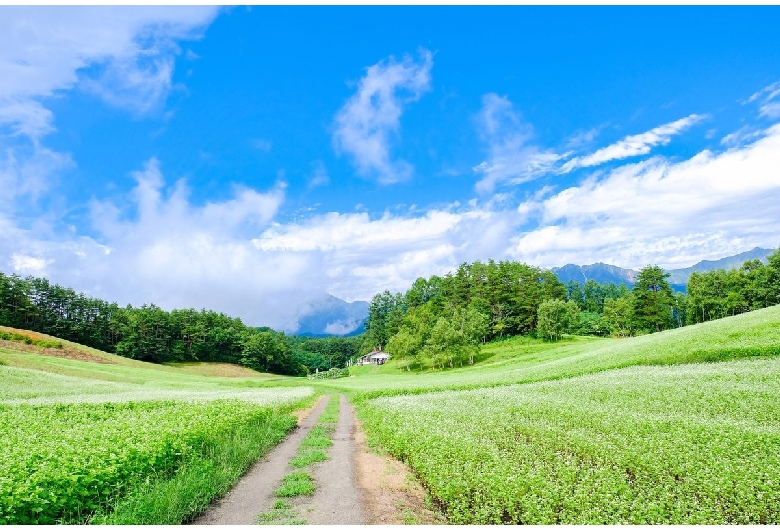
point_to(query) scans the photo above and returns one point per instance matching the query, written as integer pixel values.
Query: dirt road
(355, 486)
(254, 493)
(337, 499)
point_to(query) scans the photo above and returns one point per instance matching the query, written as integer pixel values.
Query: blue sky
(250, 160)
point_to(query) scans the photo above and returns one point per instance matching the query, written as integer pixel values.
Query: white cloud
(361, 256)
(766, 93)
(46, 49)
(156, 246)
(512, 159)
(29, 171)
(370, 119)
(341, 327)
(28, 264)
(583, 138)
(770, 109)
(25, 117)
(657, 211)
(741, 136)
(639, 144)
(770, 106)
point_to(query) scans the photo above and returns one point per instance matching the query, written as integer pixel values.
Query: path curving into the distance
(255, 492)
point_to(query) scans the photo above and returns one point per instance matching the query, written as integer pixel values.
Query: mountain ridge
(328, 315)
(678, 278)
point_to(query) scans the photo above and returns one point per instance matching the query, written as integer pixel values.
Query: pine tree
(653, 299)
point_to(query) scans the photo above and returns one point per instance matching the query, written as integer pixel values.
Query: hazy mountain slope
(332, 316)
(681, 276)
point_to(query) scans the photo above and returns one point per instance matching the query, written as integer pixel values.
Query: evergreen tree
(653, 299)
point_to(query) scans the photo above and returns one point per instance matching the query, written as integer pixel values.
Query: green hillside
(521, 359)
(679, 426)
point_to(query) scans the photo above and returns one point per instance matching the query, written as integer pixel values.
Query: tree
(772, 278)
(474, 324)
(407, 343)
(448, 343)
(574, 292)
(653, 299)
(384, 314)
(619, 315)
(556, 317)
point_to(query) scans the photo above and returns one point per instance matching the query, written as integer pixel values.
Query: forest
(439, 322)
(442, 321)
(149, 333)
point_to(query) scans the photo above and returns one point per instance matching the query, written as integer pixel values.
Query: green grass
(308, 457)
(63, 462)
(180, 498)
(331, 413)
(128, 442)
(26, 339)
(296, 483)
(282, 513)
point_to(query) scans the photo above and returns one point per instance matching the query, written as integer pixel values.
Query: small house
(375, 357)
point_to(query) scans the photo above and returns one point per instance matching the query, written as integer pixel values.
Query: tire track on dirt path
(337, 499)
(255, 492)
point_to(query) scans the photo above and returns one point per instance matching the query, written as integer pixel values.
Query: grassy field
(524, 360)
(119, 441)
(687, 444)
(676, 427)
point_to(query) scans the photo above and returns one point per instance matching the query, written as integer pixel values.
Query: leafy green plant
(66, 462)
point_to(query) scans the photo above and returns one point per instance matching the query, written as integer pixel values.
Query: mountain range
(678, 278)
(329, 315)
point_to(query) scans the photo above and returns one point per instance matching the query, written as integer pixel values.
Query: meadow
(129, 442)
(681, 426)
(686, 444)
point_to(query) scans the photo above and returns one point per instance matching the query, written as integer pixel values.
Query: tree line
(149, 333)
(441, 321)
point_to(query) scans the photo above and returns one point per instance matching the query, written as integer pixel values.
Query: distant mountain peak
(329, 315)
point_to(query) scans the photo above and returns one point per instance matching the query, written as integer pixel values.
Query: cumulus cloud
(156, 245)
(657, 211)
(635, 145)
(123, 54)
(342, 327)
(370, 120)
(512, 158)
(361, 256)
